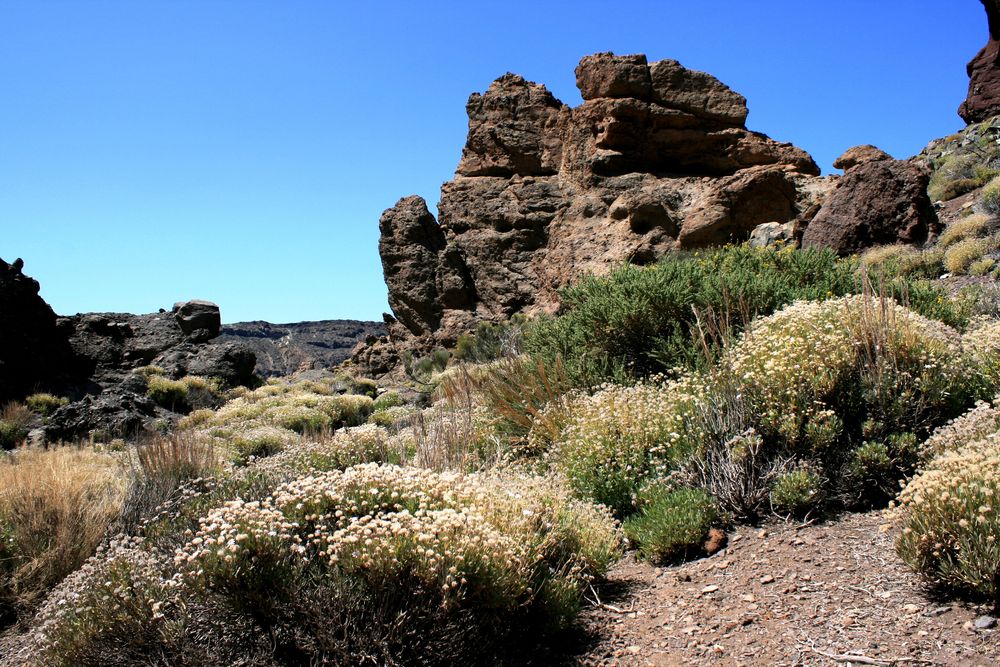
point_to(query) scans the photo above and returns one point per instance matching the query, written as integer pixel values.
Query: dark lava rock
(283, 349)
(199, 320)
(983, 100)
(875, 203)
(114, 413)
(35, 354)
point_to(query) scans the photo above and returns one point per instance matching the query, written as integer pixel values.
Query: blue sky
(243, 151)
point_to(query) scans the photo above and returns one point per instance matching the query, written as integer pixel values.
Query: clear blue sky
(242, 151)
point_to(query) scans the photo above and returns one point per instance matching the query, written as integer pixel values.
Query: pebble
(767, 579)
(911, 608)
(985, 622)
(711, 588)
(937, 611)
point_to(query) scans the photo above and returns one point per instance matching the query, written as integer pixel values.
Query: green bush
(871, 475)
(167, 393)
(797, 492)
(672, 525)
(490, 341)
(389, 399)
(45, 404)
(643, 320)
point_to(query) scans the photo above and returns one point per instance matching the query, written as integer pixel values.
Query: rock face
(878, 201)
(656, 159)
(283, 349)
(983, 100)
(34, 352)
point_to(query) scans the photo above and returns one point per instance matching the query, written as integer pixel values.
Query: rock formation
(656, 159)
(284, 349)
(983, 100)
(34, 352)
(878, 201)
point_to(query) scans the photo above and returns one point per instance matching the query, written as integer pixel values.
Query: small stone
(762, 534)
(747, 597)
(985, 622)
(937, 611)
(711, 588)
(911, 608)
(767, 579)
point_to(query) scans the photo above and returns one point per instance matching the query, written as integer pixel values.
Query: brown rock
(513, 129)
(852, 157)
(608, 75)
(716, 541)
(875, 203)
(697, 93)
(983, 99)
(655, 159)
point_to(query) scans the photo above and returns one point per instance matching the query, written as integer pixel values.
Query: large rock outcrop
(657, 158)
(878, 201)
(35, 354)
(983, 100)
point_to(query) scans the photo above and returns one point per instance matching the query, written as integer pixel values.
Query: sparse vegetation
(45, 404)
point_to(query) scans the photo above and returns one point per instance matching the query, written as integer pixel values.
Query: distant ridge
(282, 349)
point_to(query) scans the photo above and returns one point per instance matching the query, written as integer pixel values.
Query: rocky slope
(92, 358)
(283, 349)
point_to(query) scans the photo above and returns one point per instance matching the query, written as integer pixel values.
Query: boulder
(880, 202)
(983, 99)
(772, 234)
(697, 93)
(199, 320)
(852, 157)
(608, 75)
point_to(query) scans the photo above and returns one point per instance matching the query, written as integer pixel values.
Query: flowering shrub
(982, 420)
(335, 451)
(613, 441)
(950, 525)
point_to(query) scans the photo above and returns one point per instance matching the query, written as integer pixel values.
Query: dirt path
(786, 595)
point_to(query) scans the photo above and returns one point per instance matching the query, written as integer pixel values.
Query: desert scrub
(816, 367)
(990, 198)
(971, 227)
(904, 260)
(950, 526)
(671, 525)
(389, 399)
(493, 553)
(981, 344)
(980, 421)
(183, 394)
(797, 492)
(960, 256)
(392, 418)
(14, 420)
(259, 441)
(45, 404)
(55, 507)
(613, 442)
(333, 451)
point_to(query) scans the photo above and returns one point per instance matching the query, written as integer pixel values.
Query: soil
(786, 594)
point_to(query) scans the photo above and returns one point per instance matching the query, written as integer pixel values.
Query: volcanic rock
(852, 157)
(284, 349)
(656, 159)
(34, 352)
(983, 100)
(879, 202)
(199, 320)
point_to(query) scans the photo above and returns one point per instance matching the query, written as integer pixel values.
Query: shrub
(904, 260)
(954, 176)
(971, 227)
(14, 420)
(991, 197)
(797, 492)
(389, 399)
(259, 441)
(490, 341)
(379, 564)
(170, 394)
(963, 254)
(45, 404)
(950, 523)
(334, 451)
(871, 475)
(364, 387)
(393, 417)
(982, 420)
(643, 320)
(981, 267)
(671, 525)
(612, 443)
(55, 506)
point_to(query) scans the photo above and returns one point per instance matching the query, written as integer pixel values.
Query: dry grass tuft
(55, 507)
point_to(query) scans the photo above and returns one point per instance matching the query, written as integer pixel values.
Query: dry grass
(55, 507)
(974, 226)
(159, 466)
